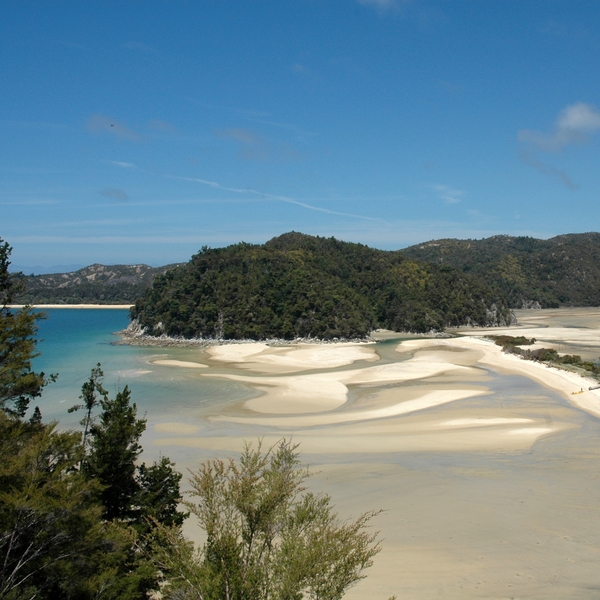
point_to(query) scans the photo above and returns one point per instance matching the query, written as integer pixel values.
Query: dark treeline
(561, 271)
(573, 362)
(297, 285)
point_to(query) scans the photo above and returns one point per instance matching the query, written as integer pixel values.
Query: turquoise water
(75, 340)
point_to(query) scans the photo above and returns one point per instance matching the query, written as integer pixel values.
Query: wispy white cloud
(123, 165)
(300, 68)
(115, 193)
(278, 198)
(29, 202)
(32, 125)
(245, 136)
(448, 194)
(253, 146)
(574, 125)
(101, 123)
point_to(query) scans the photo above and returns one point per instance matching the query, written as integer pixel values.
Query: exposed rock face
(534, 304)
(97, 284)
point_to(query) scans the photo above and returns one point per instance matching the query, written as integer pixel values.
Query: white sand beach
(94, 306)
(186, 364)
(480, 458)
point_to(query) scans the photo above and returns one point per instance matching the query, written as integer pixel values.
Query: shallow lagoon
(501, 523)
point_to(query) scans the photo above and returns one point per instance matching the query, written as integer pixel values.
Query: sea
(73, 341)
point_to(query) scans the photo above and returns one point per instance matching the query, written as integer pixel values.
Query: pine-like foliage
(302, 286)
(19, 384)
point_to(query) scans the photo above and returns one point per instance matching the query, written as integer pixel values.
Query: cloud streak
(576, 124)
(448, 194)
(123, 165)
(278, 198)
(380, 4)
(542, 167)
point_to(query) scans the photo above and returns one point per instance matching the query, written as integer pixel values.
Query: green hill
(297, 285)
(96, 284)
(561, 271)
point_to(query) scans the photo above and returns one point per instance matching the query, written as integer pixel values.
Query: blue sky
(140, 131)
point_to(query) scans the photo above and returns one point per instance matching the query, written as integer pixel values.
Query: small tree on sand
(266, 537)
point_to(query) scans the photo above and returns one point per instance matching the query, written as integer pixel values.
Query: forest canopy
(532, 273)
(298, 285)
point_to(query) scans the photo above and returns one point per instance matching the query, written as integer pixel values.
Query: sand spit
(94, 306)
(178, 363)
(287, 394)
(560, 380)
(298, 357)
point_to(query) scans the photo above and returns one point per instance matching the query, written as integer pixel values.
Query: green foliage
(266, 537)
(547, 355)
(303, 286)
(509, 340)
(97, 284)
(52, 541)
(114, 448)
(91, 391)
(158, 496)
(511, 343)
(561, 271)
(19, 384)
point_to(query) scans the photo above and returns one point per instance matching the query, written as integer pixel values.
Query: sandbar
(486, 464)
(115, 306)
(292, 358)
(167, 362)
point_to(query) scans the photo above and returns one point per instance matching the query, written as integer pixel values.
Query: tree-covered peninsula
(298, 285)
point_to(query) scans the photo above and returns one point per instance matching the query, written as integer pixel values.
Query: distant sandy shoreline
(94, 306)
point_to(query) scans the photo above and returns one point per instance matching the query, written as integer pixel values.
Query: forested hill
(297, 285)
(561, 271)
(96, 284)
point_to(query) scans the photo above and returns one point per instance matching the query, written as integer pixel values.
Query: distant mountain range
(96, 284)
(411, 288)
(561, 271)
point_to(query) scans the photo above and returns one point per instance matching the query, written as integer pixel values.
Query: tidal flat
(486, 465)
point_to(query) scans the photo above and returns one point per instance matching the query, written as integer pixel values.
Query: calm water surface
(75, 340)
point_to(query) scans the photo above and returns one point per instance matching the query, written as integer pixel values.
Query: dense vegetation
(561, 271)
(297, 285)
(82, 519)
(96, 284)
(571, 362)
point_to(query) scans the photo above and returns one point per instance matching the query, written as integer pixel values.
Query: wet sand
(487, 465)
